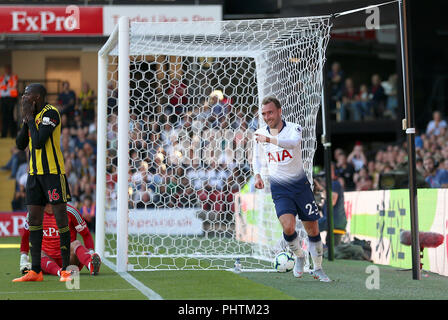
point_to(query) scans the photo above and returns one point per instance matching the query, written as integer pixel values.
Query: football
(283, 262)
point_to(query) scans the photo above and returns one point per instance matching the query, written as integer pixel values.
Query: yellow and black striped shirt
(44, 142)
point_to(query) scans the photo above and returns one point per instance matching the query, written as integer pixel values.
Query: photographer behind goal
(337, 197)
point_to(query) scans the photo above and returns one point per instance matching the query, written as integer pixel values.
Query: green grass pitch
(349, 283)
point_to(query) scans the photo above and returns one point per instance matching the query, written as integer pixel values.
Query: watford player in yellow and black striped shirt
(46, 181)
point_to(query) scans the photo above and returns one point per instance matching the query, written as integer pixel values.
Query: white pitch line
(149, 293)
(65, 291)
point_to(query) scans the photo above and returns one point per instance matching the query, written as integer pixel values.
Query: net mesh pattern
(195, 93)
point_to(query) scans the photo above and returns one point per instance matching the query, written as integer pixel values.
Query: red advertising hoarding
(11, 223)
(63, 20)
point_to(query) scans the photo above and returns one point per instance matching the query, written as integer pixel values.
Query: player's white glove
(24, 263)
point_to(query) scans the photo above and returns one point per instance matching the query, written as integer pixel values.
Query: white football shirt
(284, 161)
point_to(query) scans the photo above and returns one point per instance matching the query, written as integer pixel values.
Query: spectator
(67, 100)
(336, 81)
(177, 96)
(390, 89)
(362, 180)
(345, 170)
(419, 166)
(18, 202)
(374, 173)
(203, 114)
(23, 169)
(361, 106)
(8, 100)
(435, 177)
(87, 102)
(88, 212)
(437, 125)
(77, 123)
(81, 139)
(144, 197)
(444, 164)
(418, 139)
(357, 157)
(185, 195)
(377, 97)
(348, 101)
(85, 169)
(18, 157)
(219, 108)
(197, 175)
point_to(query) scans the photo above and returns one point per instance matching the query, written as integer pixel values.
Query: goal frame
(120, 39)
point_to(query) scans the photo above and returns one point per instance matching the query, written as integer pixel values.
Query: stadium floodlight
(174, 145)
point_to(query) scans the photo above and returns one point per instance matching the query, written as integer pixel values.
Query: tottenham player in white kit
(280, 145)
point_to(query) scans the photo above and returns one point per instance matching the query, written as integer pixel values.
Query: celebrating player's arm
(80, 255)
(289, 143)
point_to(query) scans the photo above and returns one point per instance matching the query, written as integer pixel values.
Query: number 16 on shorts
(53, 195)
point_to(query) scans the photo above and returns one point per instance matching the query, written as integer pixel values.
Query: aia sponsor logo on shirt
(279, 156)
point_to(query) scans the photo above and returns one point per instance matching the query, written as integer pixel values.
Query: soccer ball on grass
(283, 262)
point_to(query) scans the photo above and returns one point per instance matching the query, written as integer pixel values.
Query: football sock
(294, 245)
(49, 266)
(316, 251)
(83, 255)
(36, 235)
(64, 234)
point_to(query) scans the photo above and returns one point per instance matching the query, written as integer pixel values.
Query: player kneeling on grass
(51, 262)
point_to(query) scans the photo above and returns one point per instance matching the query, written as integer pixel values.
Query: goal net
(178, 104)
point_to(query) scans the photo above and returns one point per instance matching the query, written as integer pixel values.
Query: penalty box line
(149, 293)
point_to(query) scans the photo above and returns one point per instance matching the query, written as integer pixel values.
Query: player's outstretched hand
(261, 138)
(259, 184)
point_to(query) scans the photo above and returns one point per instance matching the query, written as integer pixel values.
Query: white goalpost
(177, 107)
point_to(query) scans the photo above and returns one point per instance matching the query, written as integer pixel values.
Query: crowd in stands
(168, 167)
(170, 164)
(361, 171)
(361, 101)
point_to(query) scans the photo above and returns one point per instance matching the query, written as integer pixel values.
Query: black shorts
(47, 188)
